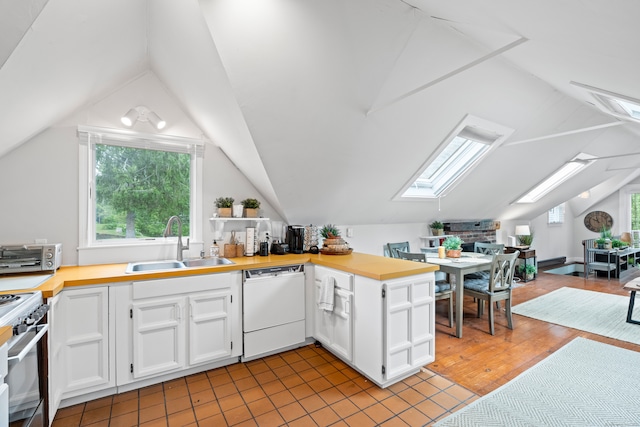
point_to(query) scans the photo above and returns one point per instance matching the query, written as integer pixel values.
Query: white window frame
(555, 215)
(470, 128)
(92, 251)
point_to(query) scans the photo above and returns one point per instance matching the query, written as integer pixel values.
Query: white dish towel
(325, 296)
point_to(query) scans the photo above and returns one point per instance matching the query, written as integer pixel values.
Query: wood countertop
(6, 332)
(372, 266)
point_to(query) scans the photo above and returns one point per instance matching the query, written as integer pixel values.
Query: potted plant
(251, 207)
(331, 235)
(224, 205)
(606, 235)
(453, 246)
(526, 240)
(437, 228)
(528, 271)
(600, 242)
(618, 244)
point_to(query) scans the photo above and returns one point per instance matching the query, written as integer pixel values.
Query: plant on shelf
(437, 228)
(606, 235)
(600, 242)
(453, 246)
(618, 244)
(224, 205)
(251, 207)
(528, 270)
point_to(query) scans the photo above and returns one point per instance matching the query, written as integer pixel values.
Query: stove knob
(19, 329)
(49, 264)
(30, 320)
(49, 255)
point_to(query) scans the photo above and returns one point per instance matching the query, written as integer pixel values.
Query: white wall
(39, 194)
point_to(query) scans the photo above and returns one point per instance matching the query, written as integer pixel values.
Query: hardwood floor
(481, 362)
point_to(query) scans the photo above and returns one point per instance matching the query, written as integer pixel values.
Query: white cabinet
(176, 324)
(334, 329)
(81, 343)
(394, 326)
(4, 388)
(158, 336)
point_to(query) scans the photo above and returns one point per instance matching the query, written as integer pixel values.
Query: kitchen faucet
(167, 232)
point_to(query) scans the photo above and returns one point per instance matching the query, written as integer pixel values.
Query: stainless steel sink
(172, 264)
(153, 266)
(205, 262)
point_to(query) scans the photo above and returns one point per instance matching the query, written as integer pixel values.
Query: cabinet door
(342, 325)
(323, 322)
(409, 342)
(158, 336)
(4, 405)
(85, 335)
(57, 374)
(209, 326)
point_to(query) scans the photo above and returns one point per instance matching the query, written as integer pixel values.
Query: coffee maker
(295, 239)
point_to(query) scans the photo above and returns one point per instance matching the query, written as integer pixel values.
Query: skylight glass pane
(632, 109)
(561, 175)
(454, 158)
(453, 161)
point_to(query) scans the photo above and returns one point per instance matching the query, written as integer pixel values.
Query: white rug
(584, 384)
(595, 312)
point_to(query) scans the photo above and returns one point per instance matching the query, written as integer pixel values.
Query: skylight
(614, 104)
(568, 170)
(472, 139)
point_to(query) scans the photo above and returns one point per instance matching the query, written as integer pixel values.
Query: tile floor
(304, 387)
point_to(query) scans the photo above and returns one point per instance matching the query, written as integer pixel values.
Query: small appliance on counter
(28, 258)
(278, 248)
(295, 239)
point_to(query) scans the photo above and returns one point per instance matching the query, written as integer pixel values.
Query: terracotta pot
(454, 253)
(224, 212)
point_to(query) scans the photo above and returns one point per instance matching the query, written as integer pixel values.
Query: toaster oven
(26, 258)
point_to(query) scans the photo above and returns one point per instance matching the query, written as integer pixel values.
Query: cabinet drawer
(343, 280)
(180, 285)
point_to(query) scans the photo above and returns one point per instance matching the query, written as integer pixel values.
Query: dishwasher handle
(273, 271)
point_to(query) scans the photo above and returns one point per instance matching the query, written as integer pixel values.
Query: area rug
(595, 312)
(585, 383)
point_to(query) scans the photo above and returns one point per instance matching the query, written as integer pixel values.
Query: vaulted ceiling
(330, 107)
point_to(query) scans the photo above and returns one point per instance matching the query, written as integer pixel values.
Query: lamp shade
(522, 230)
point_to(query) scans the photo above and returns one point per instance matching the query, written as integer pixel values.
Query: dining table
(469, 262)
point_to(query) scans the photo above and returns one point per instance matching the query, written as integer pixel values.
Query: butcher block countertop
(6, 332)
(372, 266)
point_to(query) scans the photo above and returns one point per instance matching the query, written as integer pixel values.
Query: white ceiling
(329, 107)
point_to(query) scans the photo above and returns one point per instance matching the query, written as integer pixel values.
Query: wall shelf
(224, 219)
(219, 224)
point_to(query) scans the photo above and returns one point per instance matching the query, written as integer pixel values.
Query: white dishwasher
(273, 310)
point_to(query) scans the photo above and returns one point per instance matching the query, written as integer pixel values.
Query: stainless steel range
(26, 377)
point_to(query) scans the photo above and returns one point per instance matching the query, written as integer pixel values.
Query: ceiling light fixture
(142, 114)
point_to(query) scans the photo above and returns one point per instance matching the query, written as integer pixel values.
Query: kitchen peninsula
(112, 332)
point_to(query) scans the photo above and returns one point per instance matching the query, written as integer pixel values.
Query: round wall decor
(597, 220)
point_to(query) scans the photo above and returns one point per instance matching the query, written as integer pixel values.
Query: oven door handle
(40, 331)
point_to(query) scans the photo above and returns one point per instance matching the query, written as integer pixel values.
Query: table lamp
(522, 230)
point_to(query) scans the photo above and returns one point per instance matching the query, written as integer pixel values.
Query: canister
(441, 252)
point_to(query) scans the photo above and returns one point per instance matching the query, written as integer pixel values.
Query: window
(568, 170)
(133, 183)
(614, 104)
(472, 139)
(556, 215)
